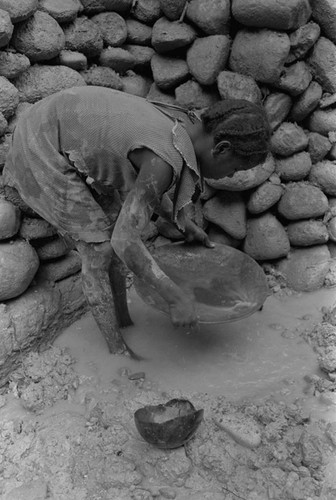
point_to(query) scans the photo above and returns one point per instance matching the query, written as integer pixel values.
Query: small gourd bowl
(168, 425)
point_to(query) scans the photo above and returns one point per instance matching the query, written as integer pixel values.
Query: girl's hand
(182, 313)
(194, 233)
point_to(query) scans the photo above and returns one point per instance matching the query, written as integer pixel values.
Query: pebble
(242, 429)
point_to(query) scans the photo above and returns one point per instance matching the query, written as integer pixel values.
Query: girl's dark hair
(242, 123)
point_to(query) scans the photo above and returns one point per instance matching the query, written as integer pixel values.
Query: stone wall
(279, 54)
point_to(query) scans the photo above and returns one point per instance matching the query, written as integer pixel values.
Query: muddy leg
(117, 273)
(96, 260)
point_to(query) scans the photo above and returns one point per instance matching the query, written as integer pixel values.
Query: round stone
(18, 265)
(63, 11)
(288, 139)
(207, 57)
(40, 37)
(305, 269)
(293, 168)
(9, 97)
(264, 197)
(266, 238)
(112, 27)
(19, 10)
(235, 86)
(6, 28)
(323, 175)
(260, 54)
(40, 81)
(307, 233)
(12, 64)
(83, 35)
(277, 105)
(301, 200)
(10, 218)
(211, 17)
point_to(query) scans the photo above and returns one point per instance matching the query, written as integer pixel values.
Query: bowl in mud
(225, 283)
(168, 425)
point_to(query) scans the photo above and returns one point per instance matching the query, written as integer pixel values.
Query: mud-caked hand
(194, 233)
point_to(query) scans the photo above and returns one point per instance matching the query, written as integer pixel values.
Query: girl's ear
(221, 147)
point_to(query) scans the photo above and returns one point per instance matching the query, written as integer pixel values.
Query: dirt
(65, 435)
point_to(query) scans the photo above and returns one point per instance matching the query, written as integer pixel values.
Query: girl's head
(240, 133)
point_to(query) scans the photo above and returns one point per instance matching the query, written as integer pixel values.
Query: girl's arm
(153, 181)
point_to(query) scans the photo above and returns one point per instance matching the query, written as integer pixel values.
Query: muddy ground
(69, 436)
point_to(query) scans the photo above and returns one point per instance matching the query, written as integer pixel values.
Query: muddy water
(260, 356)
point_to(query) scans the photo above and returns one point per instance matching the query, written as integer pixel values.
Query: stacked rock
(281, 55)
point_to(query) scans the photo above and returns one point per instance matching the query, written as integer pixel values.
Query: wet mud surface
(68, 433)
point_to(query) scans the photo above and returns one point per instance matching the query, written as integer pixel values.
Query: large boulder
(168, 35)
(40, 37)
(301, 200)
(18, 265)
(113, 28)
(207, 57)
(272, 13)
(83, 35)
(323, 175)
(61, 268)
(19, 10)
(9, 97)
(266, 238)
(235, 86)
(245, 179)
(10, 218)
(260, 54)
(324, 12)
(323, 64)
(12, 64)
(305, 269)
(227, 210)
(39, 81)
(64, 11)
(211, 17)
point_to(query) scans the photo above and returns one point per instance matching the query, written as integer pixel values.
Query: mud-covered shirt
(76, 143)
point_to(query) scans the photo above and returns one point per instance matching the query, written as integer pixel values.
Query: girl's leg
(96, 262)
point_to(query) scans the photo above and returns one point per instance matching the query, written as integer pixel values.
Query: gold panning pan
(226, 284)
